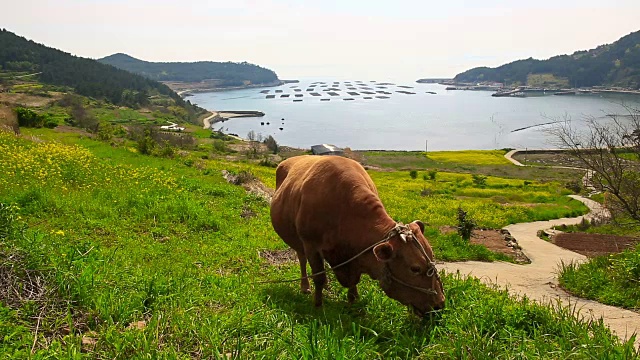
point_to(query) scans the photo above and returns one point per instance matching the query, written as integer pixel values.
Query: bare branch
(609, 147)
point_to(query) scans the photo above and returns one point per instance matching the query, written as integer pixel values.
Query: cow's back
(315, 195)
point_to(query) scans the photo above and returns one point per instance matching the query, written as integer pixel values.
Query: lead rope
(389, 235)
(399, 229)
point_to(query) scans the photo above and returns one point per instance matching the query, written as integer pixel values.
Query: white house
(172, 127)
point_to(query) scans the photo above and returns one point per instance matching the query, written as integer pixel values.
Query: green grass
(120, 115)
(120, 238)
(611, 279)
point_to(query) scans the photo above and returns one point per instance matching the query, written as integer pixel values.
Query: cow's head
(410, 275)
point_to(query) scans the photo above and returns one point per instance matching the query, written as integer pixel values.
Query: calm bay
(446, 120)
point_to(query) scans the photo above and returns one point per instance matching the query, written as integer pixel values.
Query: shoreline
(186, 89)
(222, 116)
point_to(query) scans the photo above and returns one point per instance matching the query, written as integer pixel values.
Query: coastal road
(206, 121)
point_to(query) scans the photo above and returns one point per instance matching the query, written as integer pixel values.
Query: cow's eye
(416, 270)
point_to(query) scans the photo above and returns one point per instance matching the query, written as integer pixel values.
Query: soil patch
(494, 240)
(594, 244)
(250, 184)
(27, 99)
(71, 129)
(547, 159)
(279, 257)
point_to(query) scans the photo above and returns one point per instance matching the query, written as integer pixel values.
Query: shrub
(268, 163)
(574, 186)
(413, 174)
(426, 192)
(29, 118)
(145, 143)
(219, 146)
(465, 224)
(479, 180)
(105, 131)
(584, 225)
(167, 150)
(220, 136)
(432, 174)
(244, 177)
(50, 123)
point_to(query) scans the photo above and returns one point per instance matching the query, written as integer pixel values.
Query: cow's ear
(420, 225)
(383, 252)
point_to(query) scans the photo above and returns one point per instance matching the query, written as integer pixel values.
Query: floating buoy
(280, 128)
(268, 124)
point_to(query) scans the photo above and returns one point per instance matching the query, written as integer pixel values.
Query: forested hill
(613, 64)
(229, 73)
(86, 77)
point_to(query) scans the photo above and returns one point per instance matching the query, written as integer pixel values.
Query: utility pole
(426, 146)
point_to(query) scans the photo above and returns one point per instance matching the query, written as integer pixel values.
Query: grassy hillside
(20, 57)
(118, 254)
(228, 73)
(611, 64)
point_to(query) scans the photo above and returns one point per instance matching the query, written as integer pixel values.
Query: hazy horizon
(404, 40)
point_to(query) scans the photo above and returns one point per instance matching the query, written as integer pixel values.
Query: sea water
(446, 120)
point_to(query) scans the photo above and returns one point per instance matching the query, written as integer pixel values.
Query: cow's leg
(319, 281)
(304, 281)
(350, 280)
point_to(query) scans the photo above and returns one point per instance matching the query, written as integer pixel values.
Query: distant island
(611, 65)
(20, 57)
(200, 76)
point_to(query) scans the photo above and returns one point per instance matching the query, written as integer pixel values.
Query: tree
(272, 144)
(610, 152)
(251, 135)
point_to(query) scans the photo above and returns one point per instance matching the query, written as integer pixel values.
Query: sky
(355, 39)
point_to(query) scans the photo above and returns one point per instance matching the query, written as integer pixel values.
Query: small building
(172, 127)
(326, 149)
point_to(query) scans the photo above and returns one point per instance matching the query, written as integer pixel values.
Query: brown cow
(327, 208)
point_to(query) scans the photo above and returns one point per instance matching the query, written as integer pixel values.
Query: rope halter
(406, 235)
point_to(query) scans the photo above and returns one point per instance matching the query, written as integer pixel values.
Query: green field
(489, 162)
(141, 256)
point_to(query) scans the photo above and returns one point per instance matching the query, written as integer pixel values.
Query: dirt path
(538, 280)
